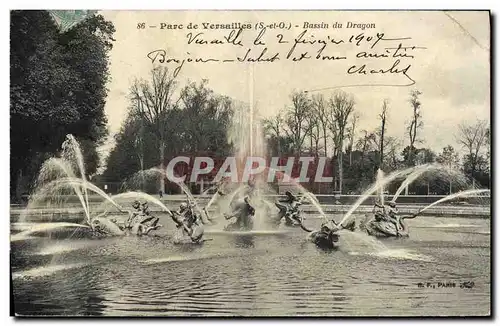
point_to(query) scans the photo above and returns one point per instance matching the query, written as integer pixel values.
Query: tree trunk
(410, 153)
(450, 180)
(141, 161)
(324, 138)
(363, 155)
(162, 166)
(381, 162)
(334, 173)
(341, 167)
(473, 172)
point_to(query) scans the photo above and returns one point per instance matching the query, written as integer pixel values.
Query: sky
(451, 65)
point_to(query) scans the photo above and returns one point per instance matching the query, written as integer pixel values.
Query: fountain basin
(76, 215)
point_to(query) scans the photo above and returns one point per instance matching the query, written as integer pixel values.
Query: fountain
(417, 173)
(246, 136)
(466, 193)
(248, 141)
(137, 195)
(305, 194)
(44, 227)
(379, 184)
(59, 179)
(56, 177)
(212, 200)
(410, 175)
(155, 173)
(71, 159)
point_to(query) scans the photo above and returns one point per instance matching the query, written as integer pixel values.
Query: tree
(126, 158)
(274, 125)
(139, 145)
(424, 156)
(488, 145)
(383, 117)
(320, 111)
(342, 105)
(364, 144)
(314, 131)
(279, 146)
(364, 162)
(407, 152)
(296, 120)
(277, 142)
(198, 123)
(479, 168)
(154, 100)
(58, 87)
(449, 158)
(473, 138)
(205, 118)
(415, 124)
(391, 149)
(86, 49)
(352, 133)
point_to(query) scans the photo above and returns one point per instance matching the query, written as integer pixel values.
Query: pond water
(266, 273)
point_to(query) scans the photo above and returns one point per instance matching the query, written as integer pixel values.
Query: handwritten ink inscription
(373, 54)
(443, 285)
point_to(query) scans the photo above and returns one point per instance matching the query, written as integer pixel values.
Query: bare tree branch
(153, 100)
(415, 124)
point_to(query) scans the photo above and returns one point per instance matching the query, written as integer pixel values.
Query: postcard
(250, 163)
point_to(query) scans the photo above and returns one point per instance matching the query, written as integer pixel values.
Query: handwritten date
(391, 59)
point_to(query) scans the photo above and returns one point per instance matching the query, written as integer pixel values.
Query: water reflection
(244, 241)
(77, 293)
(249, 275)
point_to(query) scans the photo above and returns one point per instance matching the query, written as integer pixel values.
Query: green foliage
(58, 87)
